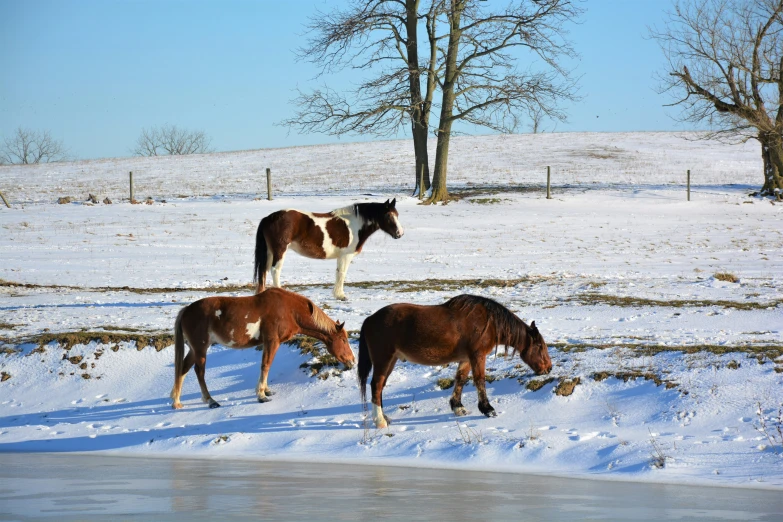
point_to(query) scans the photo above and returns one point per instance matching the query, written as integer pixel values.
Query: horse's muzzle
(398, 234)
(348, 366)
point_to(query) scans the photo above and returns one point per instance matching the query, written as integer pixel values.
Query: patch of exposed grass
(590, 298)
(537, 384)
(321, 364)
(445, 383)
(400, 286)
(769, 350)
(565, 386)
(4, 376)
(68, 340)
(487, 201)
(726, 276)
(8, 326)
(628, 375)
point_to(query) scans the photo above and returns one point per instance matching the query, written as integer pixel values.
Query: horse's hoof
(269, 392)
(263, 398)
(491, 413)
(214, 404)
(460, 411)
(177, 405)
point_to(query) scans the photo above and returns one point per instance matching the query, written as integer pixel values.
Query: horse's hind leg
(456, 396)
(176, 391)
(277, 267)
(379, 376)
(484, 406)
(201, 366)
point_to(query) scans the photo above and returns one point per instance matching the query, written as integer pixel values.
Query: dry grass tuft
(537, 384)
(566, 386)
(726, 276)
(445, 383)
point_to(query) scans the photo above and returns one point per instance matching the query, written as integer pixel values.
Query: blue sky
(94, 73)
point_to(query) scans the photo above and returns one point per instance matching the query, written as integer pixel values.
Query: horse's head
(389, 220)
(535, 352)
(339, 347)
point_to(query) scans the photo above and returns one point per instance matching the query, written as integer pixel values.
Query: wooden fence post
(269, 184)
(4, 200)
(548, 179)
(131, 186)
(689, 185)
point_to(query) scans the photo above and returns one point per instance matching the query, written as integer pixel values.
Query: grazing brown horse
(269, 318)
(464, 329)
(339, 234)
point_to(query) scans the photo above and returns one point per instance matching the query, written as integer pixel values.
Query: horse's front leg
(342, 268)
(263, 392)
(478, 369)
(456, 396)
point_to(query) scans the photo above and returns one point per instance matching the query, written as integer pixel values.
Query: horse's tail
(179, 346)
(260, 268)
(365, 363)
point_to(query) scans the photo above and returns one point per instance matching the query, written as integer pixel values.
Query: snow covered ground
(679, 372)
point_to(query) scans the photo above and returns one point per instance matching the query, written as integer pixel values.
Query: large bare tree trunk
(439, 190)
(418, 108)
(772, 154)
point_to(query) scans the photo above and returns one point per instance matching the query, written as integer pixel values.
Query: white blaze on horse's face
(254, 329)
(400, 231)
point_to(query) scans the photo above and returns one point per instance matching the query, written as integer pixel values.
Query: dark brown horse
(464, 329)
(339, 234)
(269, 318)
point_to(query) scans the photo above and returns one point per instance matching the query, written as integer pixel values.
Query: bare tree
(482, 86)
(380, 38)
(537, 116)
(724, 68)
(171, 140)
(26, 147)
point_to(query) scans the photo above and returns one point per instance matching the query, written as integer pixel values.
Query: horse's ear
(533, 327)
(393, 202)
(387, 203)
(340, 325)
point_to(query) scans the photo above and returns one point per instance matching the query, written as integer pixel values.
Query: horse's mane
(345, 211)
(509, 328)
(369, 212)
(321, 320)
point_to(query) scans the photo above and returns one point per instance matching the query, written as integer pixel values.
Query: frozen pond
(35, 486)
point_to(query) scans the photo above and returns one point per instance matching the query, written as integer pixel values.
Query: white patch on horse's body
(377, 416)
(254, 329)
(218, 313)
(332, 251)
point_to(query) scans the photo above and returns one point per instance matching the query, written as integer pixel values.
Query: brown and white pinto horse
(464, 329)
(339, 234)
(270, 318)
